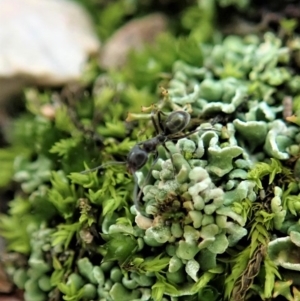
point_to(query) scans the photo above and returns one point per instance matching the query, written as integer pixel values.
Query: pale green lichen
(35, 279)
(283, 251)
(203, 202)
(278, 139)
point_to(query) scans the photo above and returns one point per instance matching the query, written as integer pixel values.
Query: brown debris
(134, 35)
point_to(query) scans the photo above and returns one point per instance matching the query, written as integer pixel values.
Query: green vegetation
(211, 218)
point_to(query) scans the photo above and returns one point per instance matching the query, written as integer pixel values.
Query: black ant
(167, 130)
(175, 123)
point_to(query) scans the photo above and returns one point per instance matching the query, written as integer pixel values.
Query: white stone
(45, 42)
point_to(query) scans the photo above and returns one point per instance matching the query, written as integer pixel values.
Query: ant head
(176, 122)
(136, 159)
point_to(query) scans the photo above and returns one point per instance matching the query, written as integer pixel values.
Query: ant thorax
(150, 145)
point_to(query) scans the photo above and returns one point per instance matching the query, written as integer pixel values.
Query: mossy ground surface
(217, 221)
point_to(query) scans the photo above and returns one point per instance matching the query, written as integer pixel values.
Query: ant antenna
(103, 166)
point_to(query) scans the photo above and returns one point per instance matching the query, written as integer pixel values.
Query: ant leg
(190, 133)
(159, 113)
(137, 196)
(157, 126)
(171, 157)
(183, 135)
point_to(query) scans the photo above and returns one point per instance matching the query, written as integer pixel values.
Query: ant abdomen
(176, 122)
